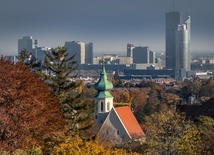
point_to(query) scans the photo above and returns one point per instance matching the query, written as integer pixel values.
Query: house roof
(193, 111)
(129, 121)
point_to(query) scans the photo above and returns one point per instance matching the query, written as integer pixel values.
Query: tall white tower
(103, 99)
(183, 56)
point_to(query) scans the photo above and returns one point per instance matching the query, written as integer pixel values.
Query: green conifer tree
(61, 78)
(29, 60)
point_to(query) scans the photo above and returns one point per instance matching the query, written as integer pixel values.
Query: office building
(183, 58)
(173, 19)
(28, 43)
(77, 48)
(151, 57)
(122, 60)
(141, 55)
(89, 53)
(39, 53)
(130, 48)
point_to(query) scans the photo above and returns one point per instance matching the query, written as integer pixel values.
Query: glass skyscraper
(173, 19)
(178, 44)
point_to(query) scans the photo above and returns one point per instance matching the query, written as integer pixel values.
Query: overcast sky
(109, 24)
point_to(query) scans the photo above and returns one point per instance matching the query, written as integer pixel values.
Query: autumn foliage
(27, 111)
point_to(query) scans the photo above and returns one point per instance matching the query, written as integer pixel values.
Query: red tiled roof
(129, 121)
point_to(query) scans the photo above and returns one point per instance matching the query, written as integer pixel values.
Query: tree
(67, 89)
(170, 133)
(196, 87)
(140, 113)
(186, 92)
(28, 112)
(153, 94)
(29, 60)
(208, 88)
(66, 145)
(206, 127)
(116, 81)
(170, 99)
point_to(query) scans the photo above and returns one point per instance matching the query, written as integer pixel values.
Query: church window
(107, 132)
(118, 133)
(102, 105)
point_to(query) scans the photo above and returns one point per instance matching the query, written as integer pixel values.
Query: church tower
(103, 99)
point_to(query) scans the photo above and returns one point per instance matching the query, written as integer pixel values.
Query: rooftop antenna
(189, 11)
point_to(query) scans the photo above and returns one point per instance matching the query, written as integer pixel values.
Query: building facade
(89, 53)
(151, 57)
(141, 55)
(77, 48)
(173, 19)
(130, 48)
(39, 53)
(28, 43)
(183, 58)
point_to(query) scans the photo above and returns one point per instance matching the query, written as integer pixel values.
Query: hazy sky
(109, 24)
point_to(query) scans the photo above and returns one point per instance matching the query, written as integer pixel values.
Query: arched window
(101, 106)
(108, 106)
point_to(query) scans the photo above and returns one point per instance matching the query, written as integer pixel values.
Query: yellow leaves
(172, 134)
(77, 146)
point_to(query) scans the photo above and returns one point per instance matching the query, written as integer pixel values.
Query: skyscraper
(77, 48)
(183, 57)
(173, 19)
(89, 53)
(28, 42)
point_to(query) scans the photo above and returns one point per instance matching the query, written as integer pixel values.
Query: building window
(107, 132)
(102, 106)
(95, 116)
(108, 106)
(118, 133)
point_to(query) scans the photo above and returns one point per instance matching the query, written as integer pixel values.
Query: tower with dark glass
(173, 19)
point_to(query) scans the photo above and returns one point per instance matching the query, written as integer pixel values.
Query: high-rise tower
(173, 19)
(89, 53)
(183, 58)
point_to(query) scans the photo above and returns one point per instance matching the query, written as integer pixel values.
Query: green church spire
(103, 85)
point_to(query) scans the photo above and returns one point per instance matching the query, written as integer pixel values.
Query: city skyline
(110, 25)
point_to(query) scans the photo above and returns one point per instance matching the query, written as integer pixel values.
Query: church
(114, 122)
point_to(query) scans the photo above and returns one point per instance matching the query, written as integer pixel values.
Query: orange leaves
(27, 110)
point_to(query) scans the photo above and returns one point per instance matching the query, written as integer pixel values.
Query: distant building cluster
(139, 61)
(31, 45)
(83, 52)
